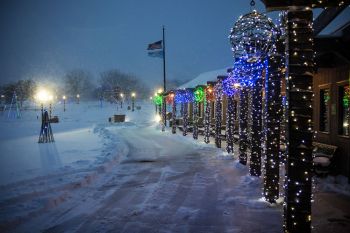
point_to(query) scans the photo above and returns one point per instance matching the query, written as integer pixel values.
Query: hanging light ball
(170, 98)
(209, 92)
(158, 99)
(199, 94)
(252, 36)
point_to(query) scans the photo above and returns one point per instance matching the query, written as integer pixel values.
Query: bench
(54, 119)
(117, 118)
(322, 157)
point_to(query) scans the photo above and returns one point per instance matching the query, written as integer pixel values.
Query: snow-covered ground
(130, 177)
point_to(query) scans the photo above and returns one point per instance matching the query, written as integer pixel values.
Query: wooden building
(331, 99)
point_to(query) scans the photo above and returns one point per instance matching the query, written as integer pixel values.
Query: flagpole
(164, 75)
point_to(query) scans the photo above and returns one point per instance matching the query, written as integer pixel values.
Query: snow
(126, 177)
(323, 161)
(203, 78)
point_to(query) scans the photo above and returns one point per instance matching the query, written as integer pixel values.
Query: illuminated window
(343, 125)
(324, 109)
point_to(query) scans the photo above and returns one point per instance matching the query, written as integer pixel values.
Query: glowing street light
(42, 96)
(78, 97)
(64, 103)
(133, 94)
(121, 100)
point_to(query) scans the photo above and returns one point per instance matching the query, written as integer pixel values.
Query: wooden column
(243, 125)
(273, 118)
(298, 186)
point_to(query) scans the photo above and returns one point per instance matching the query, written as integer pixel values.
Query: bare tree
(114, 82)
(78, 82)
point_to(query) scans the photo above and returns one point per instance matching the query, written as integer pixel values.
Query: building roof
(203, 78)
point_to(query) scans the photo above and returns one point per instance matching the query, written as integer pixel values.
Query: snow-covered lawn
(125, 177)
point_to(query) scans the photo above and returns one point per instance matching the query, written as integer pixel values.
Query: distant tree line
(109, 86)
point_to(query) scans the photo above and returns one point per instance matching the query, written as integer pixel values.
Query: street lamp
(46, 132)
(133, 101)
(78, 97)
(64, 103)
(3, 99)
(121, 100)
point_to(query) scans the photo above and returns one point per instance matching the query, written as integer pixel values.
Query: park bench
(54, 119)
(117, 118)
(322, 157)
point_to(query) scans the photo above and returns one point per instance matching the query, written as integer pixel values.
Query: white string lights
(298, 181)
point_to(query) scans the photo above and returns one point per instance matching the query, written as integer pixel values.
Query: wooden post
(298, 184)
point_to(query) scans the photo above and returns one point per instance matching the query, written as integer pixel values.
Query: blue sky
(46, 38)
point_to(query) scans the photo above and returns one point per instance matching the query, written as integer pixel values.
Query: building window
(344, 95)
(324, 109)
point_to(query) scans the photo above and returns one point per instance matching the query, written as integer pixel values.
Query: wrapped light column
(229, 88)
(298, 182)
(273, 116)
(209, 98)
(185, 119)
(195, 120)
(243, 125)
(257, 133)
(163, 114)
(218, 110)
(170, 99)
(199, 96)
(173, 126)
(184, 97)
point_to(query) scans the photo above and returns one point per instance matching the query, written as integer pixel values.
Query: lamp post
(46, 134)
(64, 103)
(78, 98)
(50, 106)
(133, 101)
(121, 100)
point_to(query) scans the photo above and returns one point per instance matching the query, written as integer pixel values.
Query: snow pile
(336, 184)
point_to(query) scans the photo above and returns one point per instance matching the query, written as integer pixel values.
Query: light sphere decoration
(158, 99)
(199, 94)
(252, 36)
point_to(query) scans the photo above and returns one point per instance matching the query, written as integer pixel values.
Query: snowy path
(158, 183)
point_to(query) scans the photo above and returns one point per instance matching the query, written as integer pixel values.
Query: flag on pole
(155, 45)
(156, 49)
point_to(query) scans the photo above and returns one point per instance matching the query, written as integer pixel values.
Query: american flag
(155, 45)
